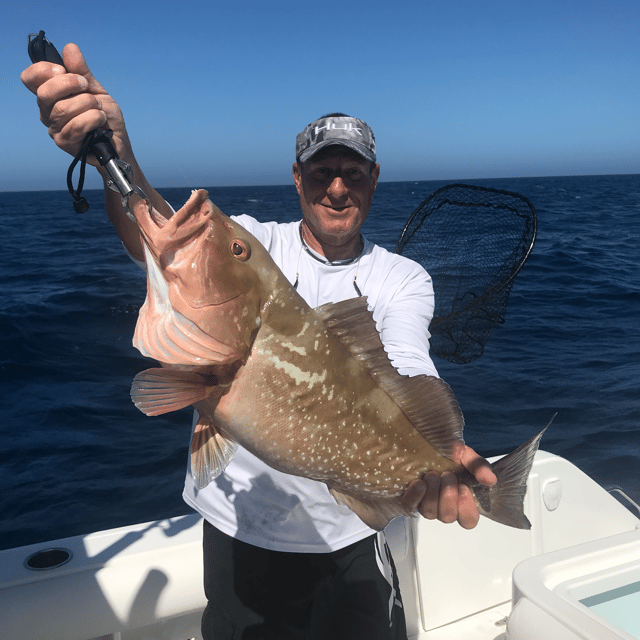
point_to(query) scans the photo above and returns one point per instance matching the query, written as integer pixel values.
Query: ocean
(78, 457)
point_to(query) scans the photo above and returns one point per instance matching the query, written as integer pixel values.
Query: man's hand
(439, 496)
(72, 103)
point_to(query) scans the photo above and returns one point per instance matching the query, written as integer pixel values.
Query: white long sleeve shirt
(273, 510)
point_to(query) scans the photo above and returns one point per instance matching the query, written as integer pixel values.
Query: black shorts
(257, 594)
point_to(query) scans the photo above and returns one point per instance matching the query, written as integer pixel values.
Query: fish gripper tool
(97, 142)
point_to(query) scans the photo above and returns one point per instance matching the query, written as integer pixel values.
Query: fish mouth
(161, 234)
(179, 238)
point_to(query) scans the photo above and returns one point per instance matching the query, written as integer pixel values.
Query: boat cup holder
(48, 559)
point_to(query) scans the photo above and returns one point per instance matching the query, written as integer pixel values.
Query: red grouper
(311, 392)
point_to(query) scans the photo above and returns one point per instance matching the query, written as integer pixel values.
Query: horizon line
(285, 184)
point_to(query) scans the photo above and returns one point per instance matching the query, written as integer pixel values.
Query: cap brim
(361, 150)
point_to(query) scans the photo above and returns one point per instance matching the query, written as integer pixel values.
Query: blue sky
(214, 93)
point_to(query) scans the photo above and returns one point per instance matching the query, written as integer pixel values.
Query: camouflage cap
(342, 130)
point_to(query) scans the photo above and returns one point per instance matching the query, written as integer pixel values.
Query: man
(282, 559)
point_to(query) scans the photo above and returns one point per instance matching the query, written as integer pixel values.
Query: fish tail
(504, 501)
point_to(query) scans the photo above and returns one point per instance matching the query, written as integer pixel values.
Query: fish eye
(240, 250)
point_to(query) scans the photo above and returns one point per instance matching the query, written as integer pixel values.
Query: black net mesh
(473, 241)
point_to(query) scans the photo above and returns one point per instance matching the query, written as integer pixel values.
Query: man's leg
(257, 594)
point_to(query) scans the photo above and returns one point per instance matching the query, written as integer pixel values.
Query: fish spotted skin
(310, 392)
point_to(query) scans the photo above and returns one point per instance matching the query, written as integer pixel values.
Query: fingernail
(83, 82)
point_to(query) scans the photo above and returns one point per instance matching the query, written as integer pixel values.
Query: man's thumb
(75, 63)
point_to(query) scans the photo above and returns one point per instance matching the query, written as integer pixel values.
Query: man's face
(335, 186)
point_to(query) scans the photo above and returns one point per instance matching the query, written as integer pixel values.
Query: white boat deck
(143, 582)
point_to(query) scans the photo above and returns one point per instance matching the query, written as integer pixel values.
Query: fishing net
(473, 241)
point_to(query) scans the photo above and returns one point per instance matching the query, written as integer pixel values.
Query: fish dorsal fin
(427, 401)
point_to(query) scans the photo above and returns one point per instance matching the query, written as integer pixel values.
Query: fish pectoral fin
(211, 452)
(158, 391)
(375, 513)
